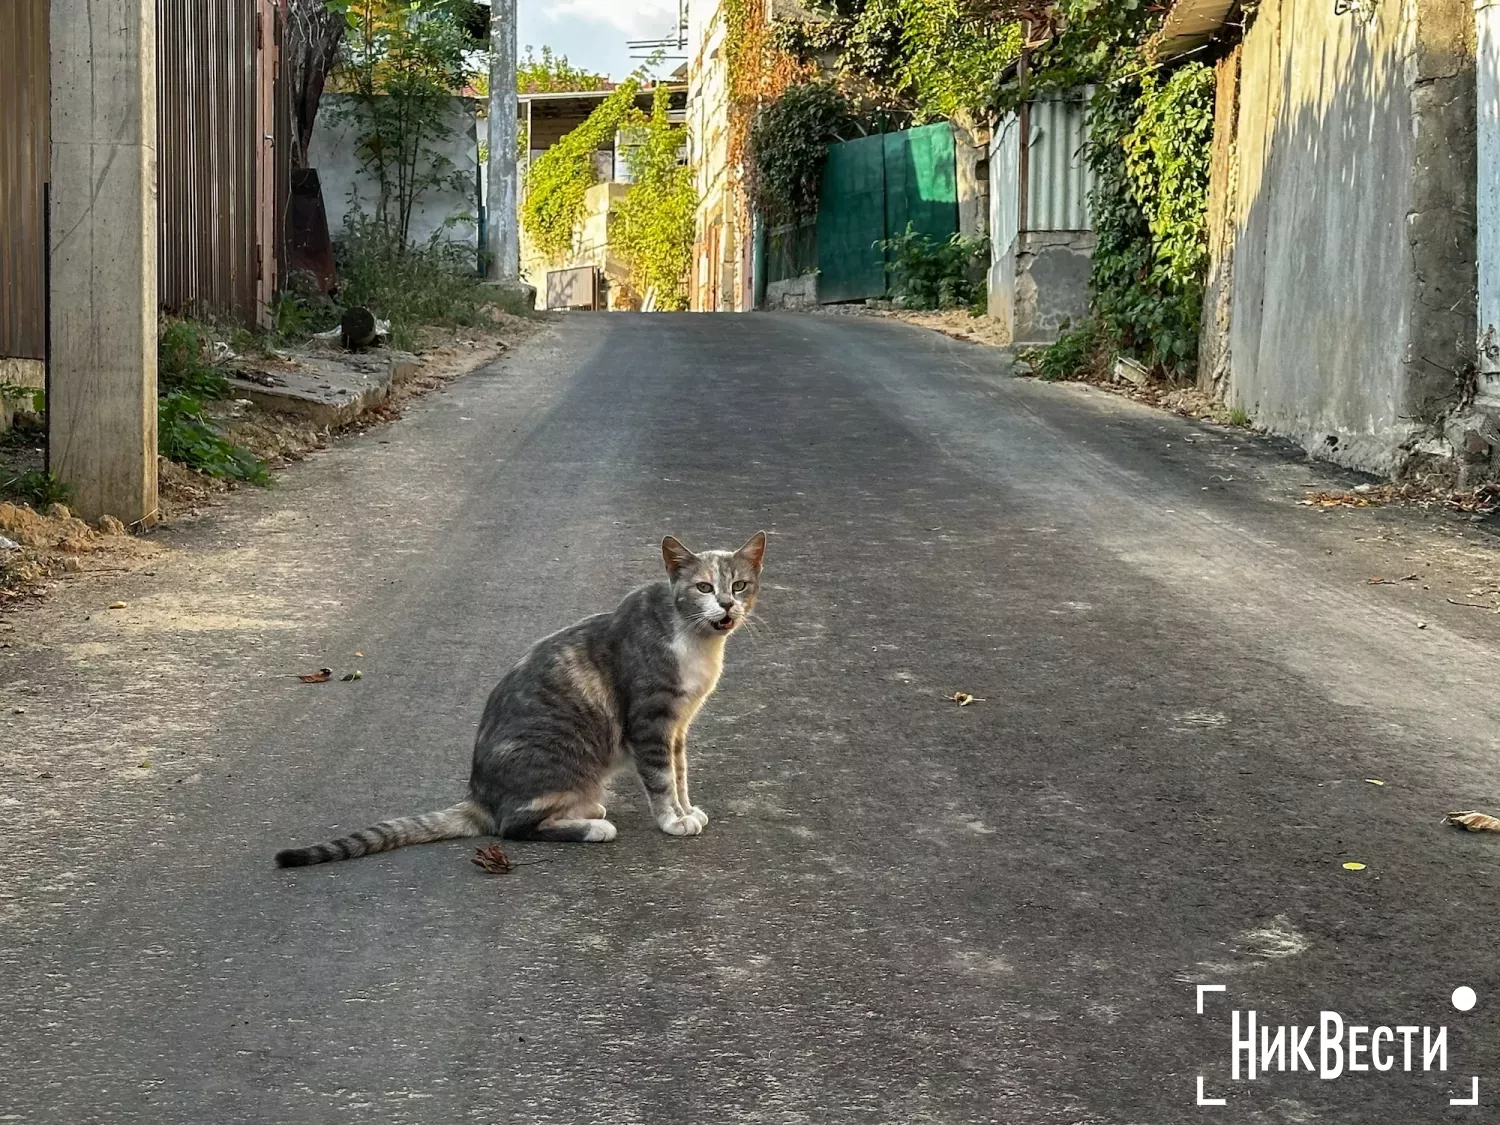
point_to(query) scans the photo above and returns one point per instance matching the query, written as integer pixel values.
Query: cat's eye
(738, 586)
(705, 587)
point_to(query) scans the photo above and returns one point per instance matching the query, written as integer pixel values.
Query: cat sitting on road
(617, 688)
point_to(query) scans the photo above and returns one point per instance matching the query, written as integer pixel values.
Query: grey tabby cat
(617, 688)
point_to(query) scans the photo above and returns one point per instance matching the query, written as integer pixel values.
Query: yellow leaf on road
(1354, 867)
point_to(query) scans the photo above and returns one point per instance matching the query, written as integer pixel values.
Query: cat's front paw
(699, 815)
(674, 825)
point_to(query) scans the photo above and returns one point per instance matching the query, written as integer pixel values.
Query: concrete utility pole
(101, 406)
(504, 237)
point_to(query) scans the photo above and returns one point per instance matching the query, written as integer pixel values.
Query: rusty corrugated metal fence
(217, 166)
(24, 155)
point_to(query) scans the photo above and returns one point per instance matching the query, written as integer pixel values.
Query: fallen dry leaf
(1354, 867)
(116, 605)
(1374, 781)
(963, 698)
(321, 676)
(1473, 821)
(493, 859)
(359, 654)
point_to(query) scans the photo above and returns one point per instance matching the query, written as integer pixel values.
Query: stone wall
(1348, 258)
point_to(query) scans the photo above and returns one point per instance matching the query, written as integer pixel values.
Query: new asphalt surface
(902, 911)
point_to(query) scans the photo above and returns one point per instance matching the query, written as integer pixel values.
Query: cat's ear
(676, 556)
(754, 550)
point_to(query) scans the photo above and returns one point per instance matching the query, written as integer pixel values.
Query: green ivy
(1149, 149)
(927, 60)
(559, 179)
(789, 141)
(653, 226)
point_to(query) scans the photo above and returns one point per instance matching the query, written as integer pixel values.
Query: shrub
(1078, 352)
(411, 286)
(926, 274)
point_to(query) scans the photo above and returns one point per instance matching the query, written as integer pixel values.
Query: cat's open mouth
(724, 624)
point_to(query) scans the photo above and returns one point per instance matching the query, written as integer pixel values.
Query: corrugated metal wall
(1005, 182)
(1058, 178)
(24, 154)
(216, 163)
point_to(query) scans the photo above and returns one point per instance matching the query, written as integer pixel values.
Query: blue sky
(592, 33)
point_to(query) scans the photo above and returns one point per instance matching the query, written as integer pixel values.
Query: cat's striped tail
(464, 819)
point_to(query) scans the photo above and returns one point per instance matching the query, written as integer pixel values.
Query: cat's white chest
(699, 664)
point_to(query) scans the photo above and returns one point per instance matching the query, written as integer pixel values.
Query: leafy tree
(404, 60)
(551, 73)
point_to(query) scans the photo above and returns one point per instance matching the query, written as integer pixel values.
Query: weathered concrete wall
(1051, 284)
(971, 145)
(1039, 287)
(793, 292)
(102, 407)
(1352, 268)
(449, 210)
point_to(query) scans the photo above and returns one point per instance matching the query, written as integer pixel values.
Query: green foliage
(1077, 352)
(950, 56)
(789, 141)
(184, 435)
(654, 223)
(551, 73)
(1167, 155)
(182, 360)
(1239, 416)
(296, 315)
(1080, 42)
(403, 60)
(33, 399)
(1149, 149)
(411, 286)
(185, 377)
(925, 274)
(37, 487)
(558, 180)
(930, 59)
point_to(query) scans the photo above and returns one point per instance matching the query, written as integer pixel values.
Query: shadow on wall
(1353, 273)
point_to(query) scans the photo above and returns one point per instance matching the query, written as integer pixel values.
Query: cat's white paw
(674, 825)
(700, 816)
(600, 832)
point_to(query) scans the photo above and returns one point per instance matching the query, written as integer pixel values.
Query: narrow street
(902, 911)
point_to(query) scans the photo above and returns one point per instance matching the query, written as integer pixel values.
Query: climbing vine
(654, 223)
(1149, 149)
(759, 69)
(789, 141)
(923, 59)
(559, 179)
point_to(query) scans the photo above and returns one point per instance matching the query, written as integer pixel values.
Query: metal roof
(1190, 24)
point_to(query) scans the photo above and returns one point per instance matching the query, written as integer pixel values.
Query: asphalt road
(902, 911)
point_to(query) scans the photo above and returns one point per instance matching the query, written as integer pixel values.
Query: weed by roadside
(927, 274)
(188, 377)
(34, 486)
(412, 286)
(1079, 353)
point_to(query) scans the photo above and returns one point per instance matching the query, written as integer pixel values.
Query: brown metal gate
(217, 167)
(24, 155)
